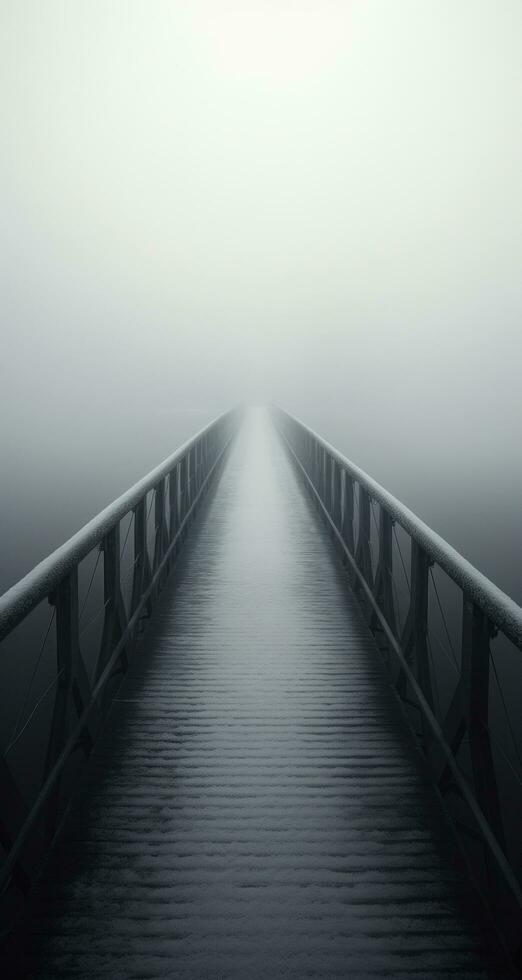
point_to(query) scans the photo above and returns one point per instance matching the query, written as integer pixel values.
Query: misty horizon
(312, 205)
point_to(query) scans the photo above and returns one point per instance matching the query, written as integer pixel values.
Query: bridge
(267, 728)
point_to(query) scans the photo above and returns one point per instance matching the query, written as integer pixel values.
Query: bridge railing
(101, 586)
(452, 642)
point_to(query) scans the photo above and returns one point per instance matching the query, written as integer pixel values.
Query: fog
(311, 203)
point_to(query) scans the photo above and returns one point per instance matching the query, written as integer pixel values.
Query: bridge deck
(255, 808)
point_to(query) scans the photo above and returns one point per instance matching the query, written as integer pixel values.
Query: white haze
(316, 203)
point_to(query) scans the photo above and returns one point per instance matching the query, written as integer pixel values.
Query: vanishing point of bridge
(276, 740)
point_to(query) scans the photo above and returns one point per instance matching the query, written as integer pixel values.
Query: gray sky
(317, 203)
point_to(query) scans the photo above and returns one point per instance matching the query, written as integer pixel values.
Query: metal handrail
(486, 610)
(24, 595)
(501, 609)
(27, 826)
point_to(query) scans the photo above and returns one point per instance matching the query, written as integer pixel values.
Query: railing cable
(122, 552)
(446, 653)
(508, 719)
(152, 496)
(84, 603)
(94, 618)
(402, 559)
(129, 576)
(373, 515)
(443, 616)
(31, 681)
(42, 697)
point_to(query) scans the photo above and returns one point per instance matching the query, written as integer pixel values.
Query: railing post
(363, 555)
(161, 536)
(337, 484)
(307, 450)
(191, 474)
(415, 635)
(142, 575)
(347, 519)
(195, 473)
(203, 460)
(301, 447)
(327, 481)
(476, 633)
(188, 481)
(115, 618)
(185, 485)
(199, 470)
(179, 499)
(173, 507)
(72, 688)
(384, 578)
(318, 469)
(330, 503)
